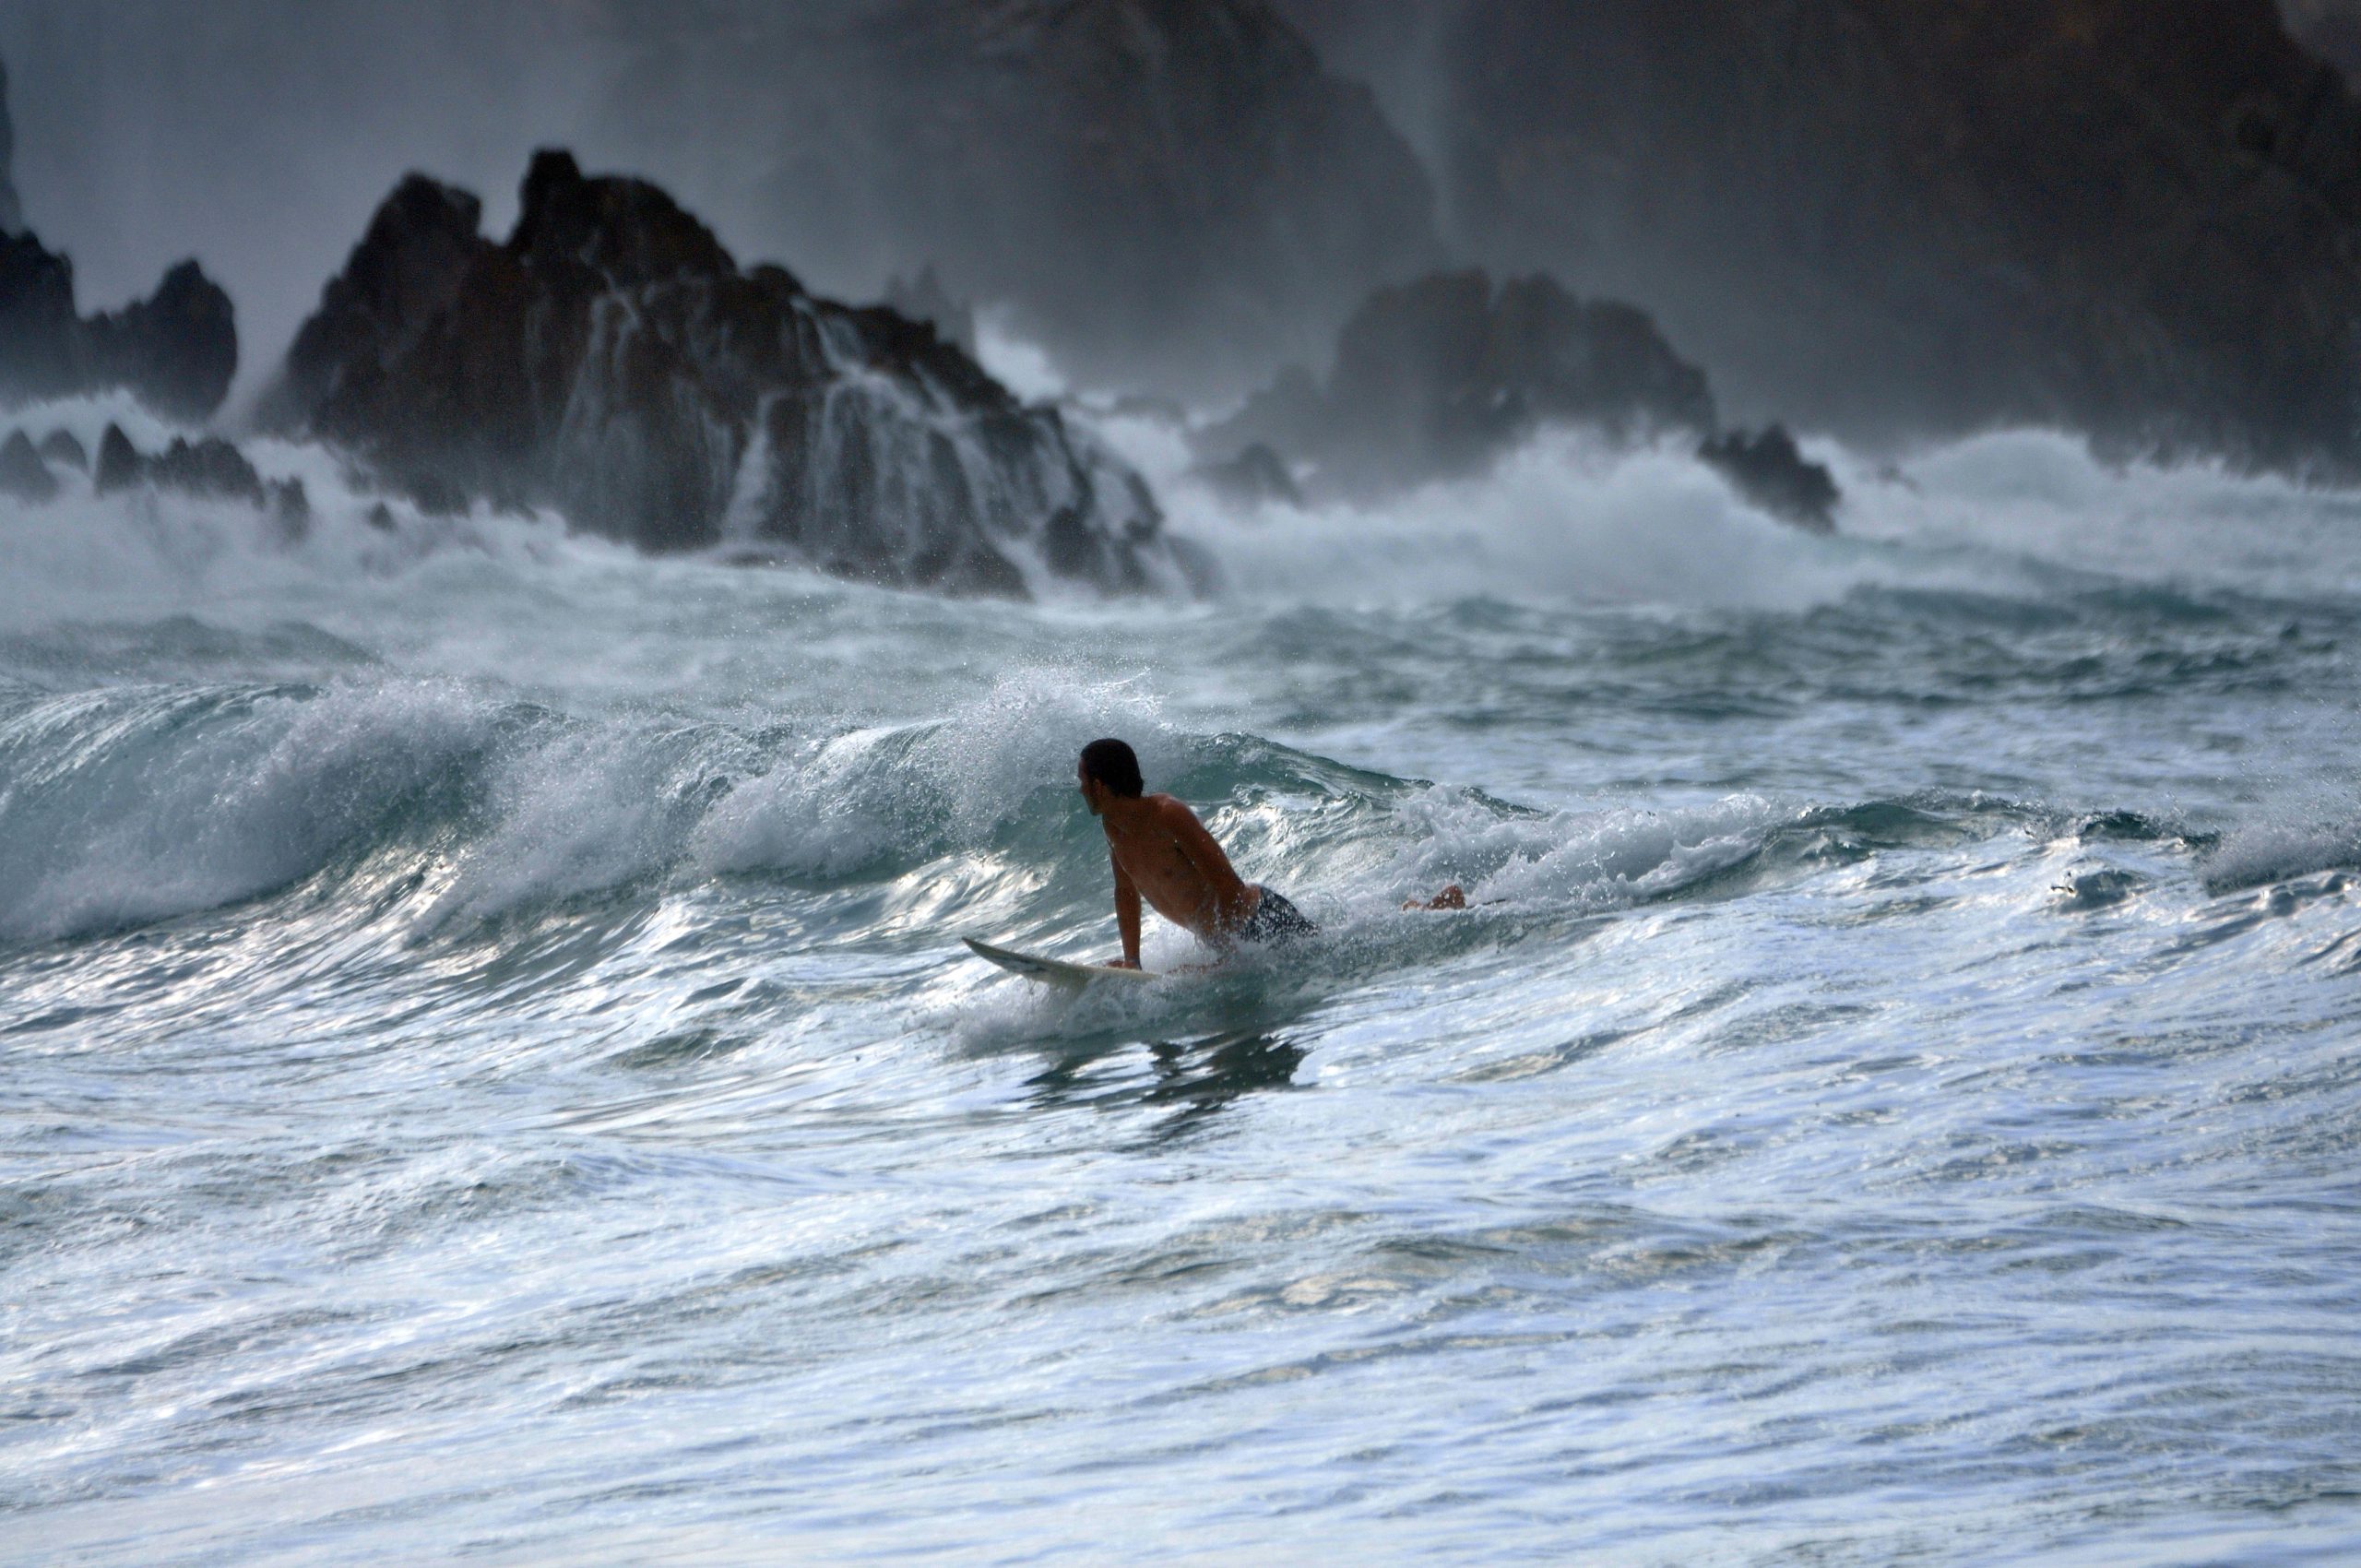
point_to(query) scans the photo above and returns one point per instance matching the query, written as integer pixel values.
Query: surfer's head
(1110, 765)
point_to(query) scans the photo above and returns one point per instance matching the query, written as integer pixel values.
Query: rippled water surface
(491, 1072)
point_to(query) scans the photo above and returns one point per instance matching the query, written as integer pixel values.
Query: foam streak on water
(491, 1072)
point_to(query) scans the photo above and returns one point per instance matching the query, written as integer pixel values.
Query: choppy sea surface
(488, 1070)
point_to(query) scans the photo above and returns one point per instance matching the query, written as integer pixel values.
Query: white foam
(2306, 826)
(1015, 362)
(938, 787)
(1604, 859)
(144, 552)
(126, 807)
(1565, 517)
(1560, 519)
(2039, 498)
(584, 811)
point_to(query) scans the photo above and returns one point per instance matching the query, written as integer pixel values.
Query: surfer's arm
(1127, 912)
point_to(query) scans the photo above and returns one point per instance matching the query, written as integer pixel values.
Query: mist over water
(492, 1072)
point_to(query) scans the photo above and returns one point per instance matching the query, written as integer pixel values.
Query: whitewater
(492, 1074)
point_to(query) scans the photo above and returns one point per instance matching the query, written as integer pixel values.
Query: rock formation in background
(60, 450)
(1890, 219)
(1767, 469)
(23, 475)
(612, 360)
(12, 211)
(1437, 378)
(1167, 193)
(176, 351)
(208, 468)
(1256, 477)
(923, 298)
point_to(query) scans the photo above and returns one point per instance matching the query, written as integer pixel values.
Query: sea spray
(487, 1038)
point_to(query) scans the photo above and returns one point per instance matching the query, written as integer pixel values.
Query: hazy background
(1181, 196)
(1207, 206)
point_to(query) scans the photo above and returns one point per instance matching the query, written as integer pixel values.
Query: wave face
(492, 1068)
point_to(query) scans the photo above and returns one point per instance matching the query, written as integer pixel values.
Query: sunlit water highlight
(490, 1070)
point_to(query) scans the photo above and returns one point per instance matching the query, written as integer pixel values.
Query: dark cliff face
(1441, 376)
(612, 359)
(1437, 377)
(1167, 193)
(1890, 218)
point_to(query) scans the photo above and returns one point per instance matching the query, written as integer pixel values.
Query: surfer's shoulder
(1172, 809)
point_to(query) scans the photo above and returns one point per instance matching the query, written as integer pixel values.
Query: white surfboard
(1053, 971)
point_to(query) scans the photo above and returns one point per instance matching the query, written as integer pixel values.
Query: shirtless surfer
(1162, 853)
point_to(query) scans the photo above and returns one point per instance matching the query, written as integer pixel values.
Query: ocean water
(491, 1073)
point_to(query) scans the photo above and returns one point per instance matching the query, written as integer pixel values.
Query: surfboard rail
(1051, 971)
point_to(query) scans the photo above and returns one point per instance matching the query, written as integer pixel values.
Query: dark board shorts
(1275, 920)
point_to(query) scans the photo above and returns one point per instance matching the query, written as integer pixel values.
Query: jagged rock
(12, 211)
(924, 298)
(1438, 376)
(1894, 219)
(1257, 475)
(208, 467)
(22, 473)
(1164, 192)
(1769, 470)
(119, 465)
(60, 447)
(290, 509)
(612, 360)
(40, 336)
(176, 351)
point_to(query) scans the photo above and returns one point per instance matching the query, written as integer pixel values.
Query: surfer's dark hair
(1113, 764)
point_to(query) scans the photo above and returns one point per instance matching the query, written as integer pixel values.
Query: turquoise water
(491, 1072)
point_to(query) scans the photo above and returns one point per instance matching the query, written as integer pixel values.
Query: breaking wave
(127, 805)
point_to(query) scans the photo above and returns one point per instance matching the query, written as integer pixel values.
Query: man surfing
(1162, 853)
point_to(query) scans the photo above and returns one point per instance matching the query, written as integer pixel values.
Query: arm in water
(1127, 915)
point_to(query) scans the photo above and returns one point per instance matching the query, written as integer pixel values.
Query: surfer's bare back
(1162, 853)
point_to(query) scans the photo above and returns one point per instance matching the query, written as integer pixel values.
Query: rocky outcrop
(1256, 477)
(1438, 377)
(175, 351)
(208, 468)
(1888, 219)
(120, 466)
(1769, 470)
(1170, 193)
(61, 449)
(612, 360)
(23, 476)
